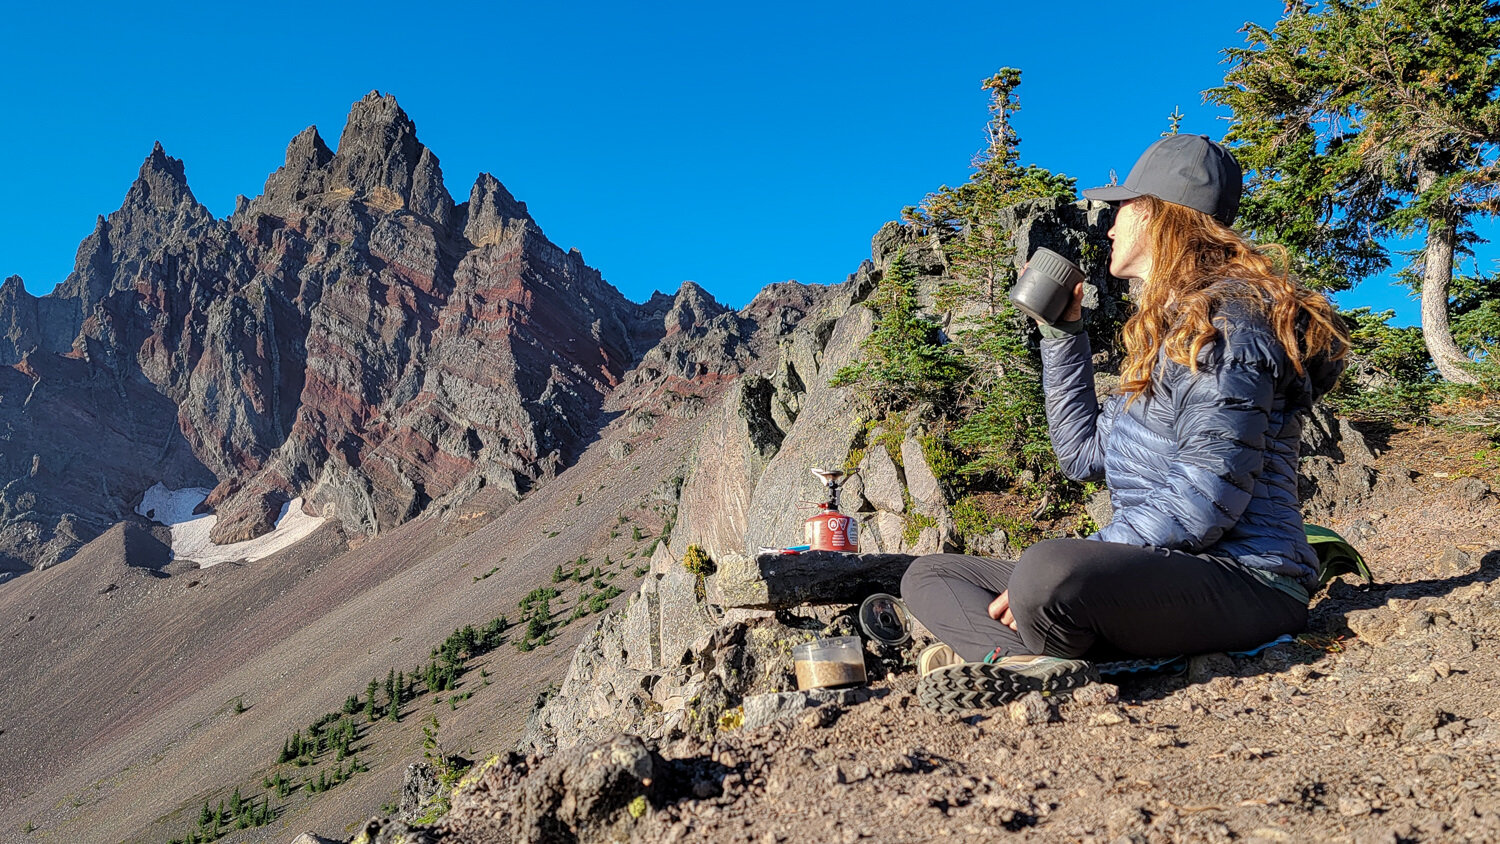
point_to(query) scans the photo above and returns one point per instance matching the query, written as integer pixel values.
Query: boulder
(881, 534)
(1337, 473)
(642, 634)
(882, 480)
(926, 491)
(1329, 487)
(1454, 562)
(599, 695)
(584, 791)
(852, 495)
(782, 581)
(683, 618)
(418, 788)
(761, 710)
(929, 541)
(995, 544)
(1473, 493)
(590, 793)
(392, 831)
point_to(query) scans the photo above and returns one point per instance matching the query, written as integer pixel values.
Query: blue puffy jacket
(1206, 462)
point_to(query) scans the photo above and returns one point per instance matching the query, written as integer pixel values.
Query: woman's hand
(1000, 610)
(1074, 310)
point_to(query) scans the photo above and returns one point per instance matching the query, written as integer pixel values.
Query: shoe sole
(981, 685)
(928, 660)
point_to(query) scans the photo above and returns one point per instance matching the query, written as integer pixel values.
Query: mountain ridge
(352, 335)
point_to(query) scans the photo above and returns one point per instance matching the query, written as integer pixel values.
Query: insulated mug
(1046, 288)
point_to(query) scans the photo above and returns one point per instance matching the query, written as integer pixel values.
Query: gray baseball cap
(1187, 170)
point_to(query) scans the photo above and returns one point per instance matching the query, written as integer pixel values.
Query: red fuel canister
(831, 530)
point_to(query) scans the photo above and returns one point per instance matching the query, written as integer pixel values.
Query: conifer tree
(904, 360)
(1360, 120)
(394, 710)
(1003, 428)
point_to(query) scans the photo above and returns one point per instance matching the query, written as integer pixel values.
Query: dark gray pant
(1097, 600)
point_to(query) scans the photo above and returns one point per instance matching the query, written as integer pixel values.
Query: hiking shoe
(982, 685)
(935, 657)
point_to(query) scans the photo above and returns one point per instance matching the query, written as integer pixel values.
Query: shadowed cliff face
(352, 335)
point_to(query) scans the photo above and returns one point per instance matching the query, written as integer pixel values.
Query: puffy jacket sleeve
(1078, 427)
(1222, 413)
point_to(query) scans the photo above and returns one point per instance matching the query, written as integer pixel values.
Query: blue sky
(733, 145)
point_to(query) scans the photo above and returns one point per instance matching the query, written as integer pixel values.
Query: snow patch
(174, 508)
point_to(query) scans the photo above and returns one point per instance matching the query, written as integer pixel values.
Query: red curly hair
(1196, 264)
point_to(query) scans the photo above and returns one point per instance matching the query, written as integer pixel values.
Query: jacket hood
(1323, 372)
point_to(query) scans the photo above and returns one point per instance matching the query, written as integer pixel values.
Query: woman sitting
(1199, 449)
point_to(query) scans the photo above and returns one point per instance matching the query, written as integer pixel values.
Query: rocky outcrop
(303, 175)
(29, 324)
(673, 662)
(682, 656)
(1337, 473)
(822, 436)
(492, 213)
(353, 337)
(740, 438)
(79, 443)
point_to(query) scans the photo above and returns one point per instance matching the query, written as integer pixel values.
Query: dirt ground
(1380, 724)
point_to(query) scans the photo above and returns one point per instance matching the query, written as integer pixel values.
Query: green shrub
(697, 562)
(1475, 310)
(1004, 434)
(971, 519)
(915, 524)
(599, 601)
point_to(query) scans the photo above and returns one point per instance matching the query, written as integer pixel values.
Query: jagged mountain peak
(305, 170)
(161, 184)
(381, 161)
(692, 305)
(693, 291)
(492, 210)
(158, 207)
(376, 110)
